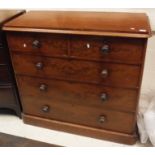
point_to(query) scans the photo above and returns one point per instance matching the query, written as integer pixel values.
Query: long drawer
(57, 104)
(79, 94)
(123, 50)
(93, 72)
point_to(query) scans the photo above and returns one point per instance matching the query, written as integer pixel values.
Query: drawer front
(79, 94)
(4, 75)
(103, 73)
(7, 97)
(38, 44)
(2, 56)
(57, 109)
(123, 50)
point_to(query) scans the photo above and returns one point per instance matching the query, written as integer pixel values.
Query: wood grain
(85, 71)
(50, 45)
(81, 130)
(62, 92)
(130, 23)
(129, 50)
(7, 15)
(61, 85)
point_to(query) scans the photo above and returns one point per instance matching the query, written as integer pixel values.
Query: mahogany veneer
(80, 72)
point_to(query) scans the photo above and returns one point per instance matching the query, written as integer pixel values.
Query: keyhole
(24, 45)
(88, 45)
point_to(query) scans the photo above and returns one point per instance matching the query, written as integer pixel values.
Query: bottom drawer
(47, 106)
(7, 97)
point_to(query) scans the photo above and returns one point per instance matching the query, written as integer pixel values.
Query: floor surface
(7, 140)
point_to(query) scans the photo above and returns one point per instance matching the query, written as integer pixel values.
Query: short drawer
(4, 75)
(84, 71)
(7, 97)
(124, 50)
(38, 44)
(94, 96)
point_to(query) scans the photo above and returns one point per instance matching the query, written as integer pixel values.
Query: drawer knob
(102, 119)
(39, 65)
(36, 44)
(43, 87)
(105, 49)
(104, 73)
(45, 108)
(104, 96)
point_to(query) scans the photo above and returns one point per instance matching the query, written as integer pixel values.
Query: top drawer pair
(121, 50)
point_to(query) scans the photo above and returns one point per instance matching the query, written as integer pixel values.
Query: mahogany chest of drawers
(80, 72)
(8, 94)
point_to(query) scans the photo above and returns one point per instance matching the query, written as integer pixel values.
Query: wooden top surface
(6, 15)
(73, 22)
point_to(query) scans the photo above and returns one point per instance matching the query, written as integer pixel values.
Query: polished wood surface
(84, 71)
(79, 47)
(77, 75)
(82, 130)
(120, 50)
(83, 22)
(49, 45)
(81, 115)
(35, 102)
(59, 91)
(7, 15)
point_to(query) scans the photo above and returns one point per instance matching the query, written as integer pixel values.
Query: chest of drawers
(80, 72)
(8, 93)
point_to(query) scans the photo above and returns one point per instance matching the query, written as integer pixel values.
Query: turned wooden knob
(102, 119)
(105, 49)
(104, 73)
(43, 87)
(45, 108)
(104, 96)
(36, 44)
(39, 65)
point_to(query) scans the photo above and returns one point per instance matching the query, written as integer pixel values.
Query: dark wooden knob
(45, 108)
(104, 96)
(102, 119)
(105, 49)
(39, 65)
(36, 44)
(104, 73)
(43, 87)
